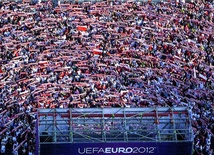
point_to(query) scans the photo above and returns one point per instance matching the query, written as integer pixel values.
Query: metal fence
(114, 125)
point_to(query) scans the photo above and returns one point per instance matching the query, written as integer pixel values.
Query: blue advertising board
(133, 148)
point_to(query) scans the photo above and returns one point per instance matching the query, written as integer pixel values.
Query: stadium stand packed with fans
(104, 54)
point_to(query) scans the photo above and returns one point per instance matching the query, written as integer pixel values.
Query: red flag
(82, 28)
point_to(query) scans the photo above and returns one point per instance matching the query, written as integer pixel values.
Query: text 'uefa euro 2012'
(117, 150)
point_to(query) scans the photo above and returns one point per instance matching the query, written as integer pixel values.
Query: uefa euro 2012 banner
(138, 148)
(117, 150)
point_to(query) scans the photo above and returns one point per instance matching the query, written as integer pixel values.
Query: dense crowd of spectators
(106, 54)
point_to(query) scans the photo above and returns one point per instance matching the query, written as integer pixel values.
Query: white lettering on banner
(129, 150)
(79, 151)
(95, 149)
(88, 151)
(108, 150)
(121, 150)
(142, 149)
(101, 150)
(113, 150)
